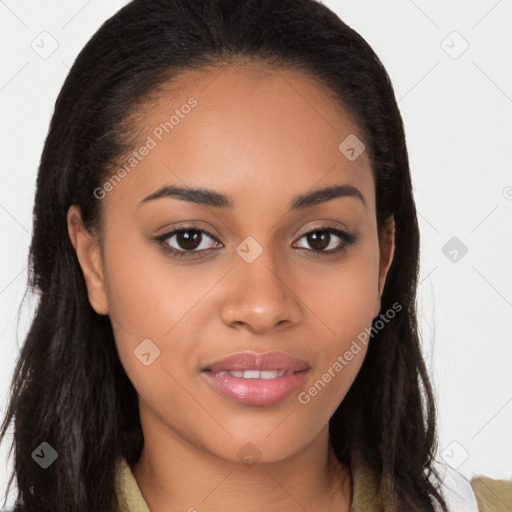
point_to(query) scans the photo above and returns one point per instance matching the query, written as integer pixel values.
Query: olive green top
(491, 495)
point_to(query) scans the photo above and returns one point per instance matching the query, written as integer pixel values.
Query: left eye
(319, 236)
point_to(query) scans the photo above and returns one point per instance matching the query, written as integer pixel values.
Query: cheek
(152, 299)
(147, 295)
(343, 302)
(136, 296)
(343, 297)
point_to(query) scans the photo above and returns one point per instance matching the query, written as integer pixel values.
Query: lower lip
(256, 391)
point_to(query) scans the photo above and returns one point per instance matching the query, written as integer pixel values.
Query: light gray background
(457, 110)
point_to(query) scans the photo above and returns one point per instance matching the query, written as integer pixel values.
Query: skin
(262, 138)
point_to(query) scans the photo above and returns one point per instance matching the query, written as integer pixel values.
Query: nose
(260, 296)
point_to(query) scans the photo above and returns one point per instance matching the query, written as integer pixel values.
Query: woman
(226, 247)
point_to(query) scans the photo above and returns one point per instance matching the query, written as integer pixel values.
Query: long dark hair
(69, 388)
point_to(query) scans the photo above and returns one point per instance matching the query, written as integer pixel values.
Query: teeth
(271, 374)
(255, 374)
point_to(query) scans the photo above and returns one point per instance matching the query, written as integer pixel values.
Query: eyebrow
(211, 198)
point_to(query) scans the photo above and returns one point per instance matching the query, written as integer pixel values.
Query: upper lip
(247, 360)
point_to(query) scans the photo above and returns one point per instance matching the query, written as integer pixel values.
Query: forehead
(248, 131)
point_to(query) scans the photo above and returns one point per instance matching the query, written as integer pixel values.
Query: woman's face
(261, 283)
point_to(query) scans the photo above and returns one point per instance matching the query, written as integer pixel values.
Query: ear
(88, 252)
(387, 251)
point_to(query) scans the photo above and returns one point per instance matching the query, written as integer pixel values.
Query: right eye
(188, 240)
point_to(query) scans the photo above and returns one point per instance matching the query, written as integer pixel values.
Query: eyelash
(347, 240)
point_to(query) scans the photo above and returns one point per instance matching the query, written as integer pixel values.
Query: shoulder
(481, 494)
(455, 489)
(17, 508)
(492, 495)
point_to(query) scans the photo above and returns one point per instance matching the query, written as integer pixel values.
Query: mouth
(256, 379)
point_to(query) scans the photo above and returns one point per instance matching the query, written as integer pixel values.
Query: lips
(256, 379)
(251, 362)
